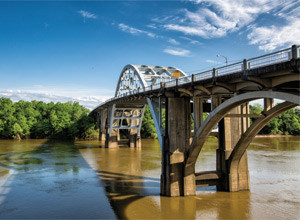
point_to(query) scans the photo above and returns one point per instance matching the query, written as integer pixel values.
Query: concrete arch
(240, 148)
(247, 84)
(219, 113)
(285, 79)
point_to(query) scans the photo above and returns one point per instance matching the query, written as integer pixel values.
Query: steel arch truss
(136, 77)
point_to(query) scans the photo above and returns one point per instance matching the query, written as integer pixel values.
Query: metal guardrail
(232, 68)
(261, 61)
(272, 58)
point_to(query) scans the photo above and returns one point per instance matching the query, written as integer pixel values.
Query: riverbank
(276, 135)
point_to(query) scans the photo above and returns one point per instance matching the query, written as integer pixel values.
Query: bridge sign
(176, 74)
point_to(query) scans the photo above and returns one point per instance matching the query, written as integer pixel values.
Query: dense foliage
(148, 128)
(37, 119)
(69, 120)
(286, 123)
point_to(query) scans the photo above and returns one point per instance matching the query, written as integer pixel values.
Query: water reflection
(131, 180)
(48, 180)
(66, 180)
(132, 184)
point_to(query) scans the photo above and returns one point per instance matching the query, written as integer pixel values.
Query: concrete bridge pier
(111, 135)
(174, 181)
(102, 117)
(231, 128)
(134, 134)
(134, 139)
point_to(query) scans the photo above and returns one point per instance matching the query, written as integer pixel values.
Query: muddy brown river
(41, 179)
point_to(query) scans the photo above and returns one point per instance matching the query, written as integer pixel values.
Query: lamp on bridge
(219, 55)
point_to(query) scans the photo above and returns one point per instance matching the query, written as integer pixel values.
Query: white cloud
(178, 52)
(217, 18)
(173, 41)
(86, 14)
(213, 62)
(89, 102)
(135, 31)
(192, 41)
(269, 38)
(153, 26)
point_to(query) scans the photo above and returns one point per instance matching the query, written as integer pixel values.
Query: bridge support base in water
(174, 182)
(135, 141)
(230, 131)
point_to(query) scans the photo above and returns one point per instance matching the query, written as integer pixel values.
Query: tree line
(70, 120)
(37, 119)
(286, 123)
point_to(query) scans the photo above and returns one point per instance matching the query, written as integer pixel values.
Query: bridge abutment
(174, 180)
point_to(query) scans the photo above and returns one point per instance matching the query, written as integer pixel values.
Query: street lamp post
(219, 55)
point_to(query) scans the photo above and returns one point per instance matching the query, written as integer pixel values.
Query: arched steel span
(135, 77)
(216, 115)
(131, 80)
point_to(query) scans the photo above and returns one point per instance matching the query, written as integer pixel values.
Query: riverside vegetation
(70, 120)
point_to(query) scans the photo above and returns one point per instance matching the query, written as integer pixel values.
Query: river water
(42, 179)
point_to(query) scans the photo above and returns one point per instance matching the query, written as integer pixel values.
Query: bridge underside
(226, 98)
(117, 117)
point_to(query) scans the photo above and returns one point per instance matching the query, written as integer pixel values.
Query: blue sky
(72, 50)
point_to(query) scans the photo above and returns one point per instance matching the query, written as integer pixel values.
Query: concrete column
(268, 104)
(103, 118)
(230, 131)
(134, 139)
(118, 135)
(111, 137)
(111, 141)
(215, 101)
(198, 112)
(174, 180)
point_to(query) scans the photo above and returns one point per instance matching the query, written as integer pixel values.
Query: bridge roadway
(224, 93)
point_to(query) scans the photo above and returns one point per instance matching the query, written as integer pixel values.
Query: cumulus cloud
(86, 14)
(173, 41)
(270, 38)
(217, 18)
(135, 31)
(89, 102)
(178, 52)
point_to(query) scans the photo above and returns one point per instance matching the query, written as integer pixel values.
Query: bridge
(174, 98)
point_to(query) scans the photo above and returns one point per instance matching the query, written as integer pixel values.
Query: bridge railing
(171, 83)
(232, 68)
(183, 80)
(271, 58)
(268, 59)
(204, 75)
